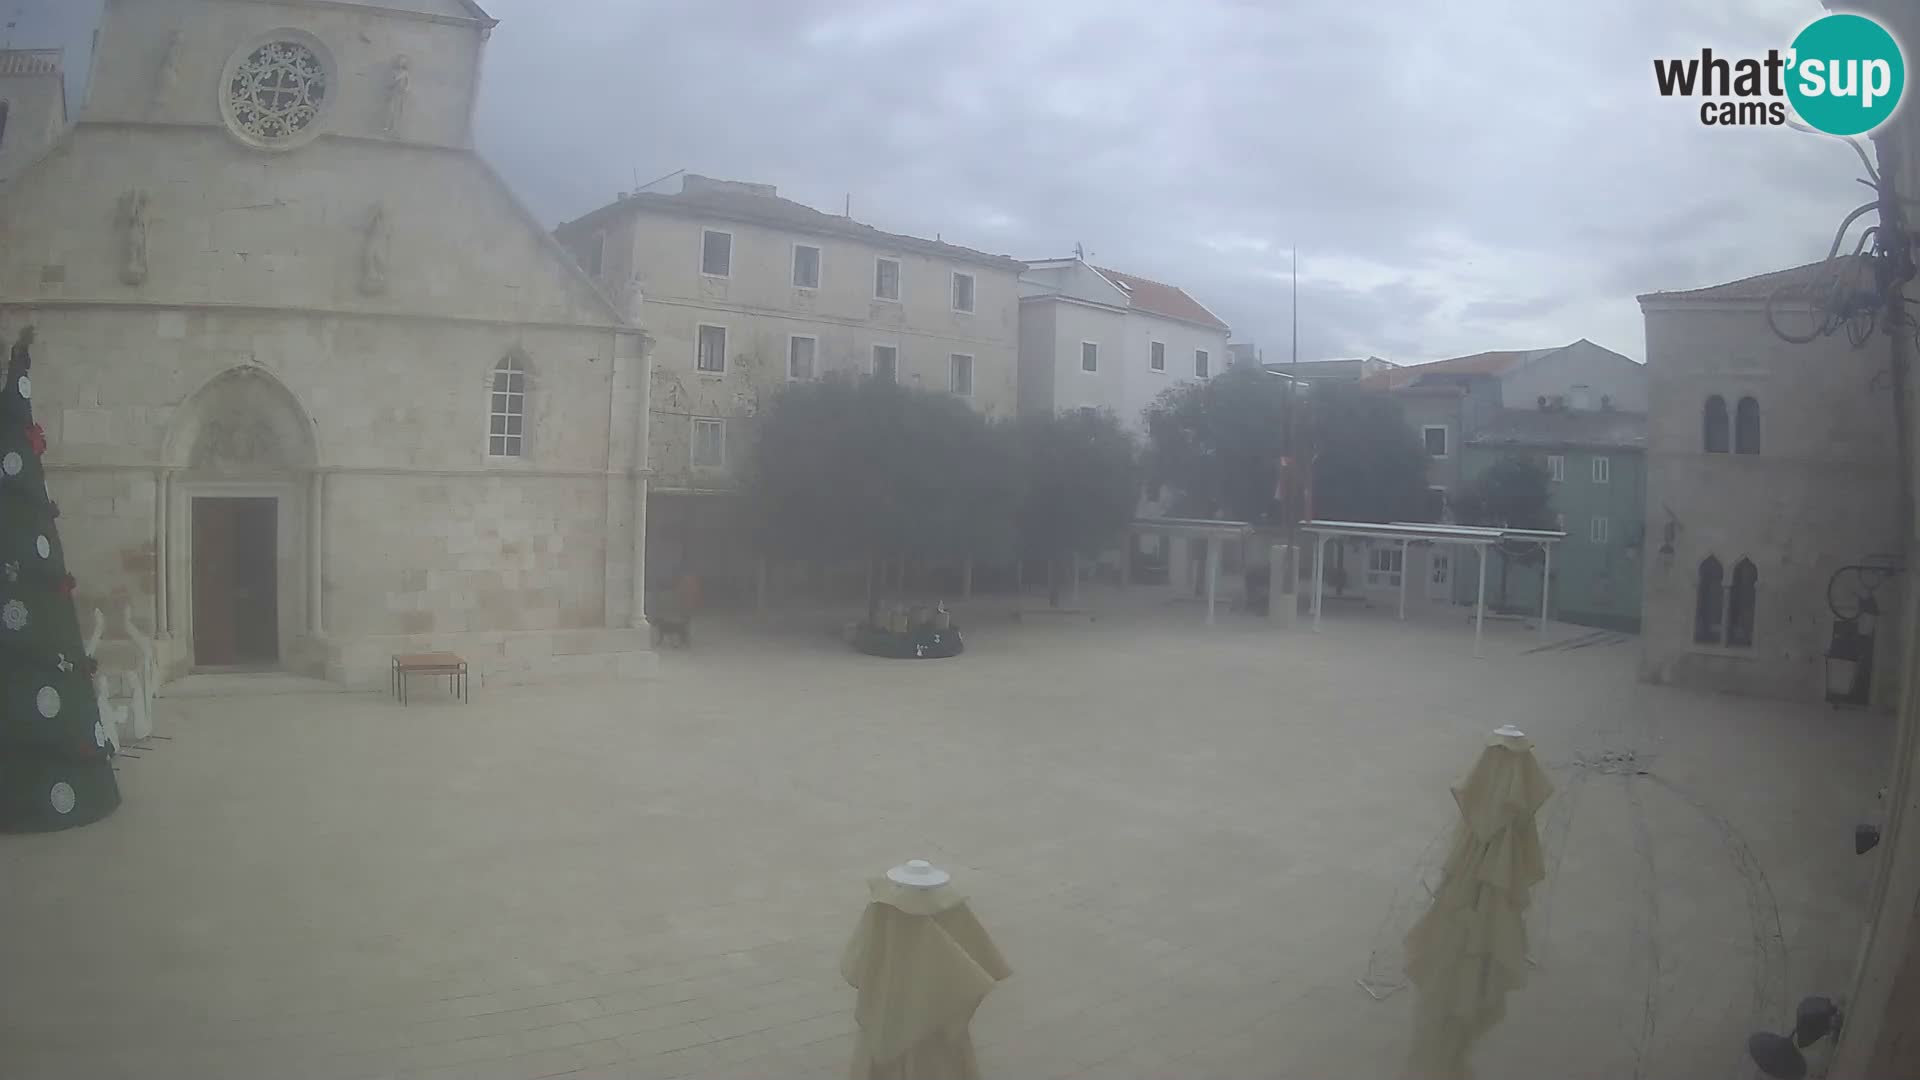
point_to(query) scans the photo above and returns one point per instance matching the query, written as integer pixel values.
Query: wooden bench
(433, 663)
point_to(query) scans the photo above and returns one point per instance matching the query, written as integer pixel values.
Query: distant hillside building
(1348, 370)
(1771, 471)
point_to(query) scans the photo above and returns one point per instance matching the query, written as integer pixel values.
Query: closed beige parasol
(922, 964)
(1470, 948)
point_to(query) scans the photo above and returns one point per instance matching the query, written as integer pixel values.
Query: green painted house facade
(1598, 463)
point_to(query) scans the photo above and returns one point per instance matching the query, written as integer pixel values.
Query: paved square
(1189, 841)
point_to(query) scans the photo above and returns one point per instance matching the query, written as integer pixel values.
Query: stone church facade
(318, 389)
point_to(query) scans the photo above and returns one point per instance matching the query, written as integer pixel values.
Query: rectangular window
(886, 279)
(1435, 436)
(1202, 363)
(1384, 566)
(716, 253)
(1089, 356)
(960, 374)
(1157, 356)
(962, 292)
(806, 266)
(597, 254)
(1597, 530)
(506, 425)
(710, 349)
(1602, 470)
(1556, 467)
(886, 362)
(709, 444)
(800, 354)
(1436, 504)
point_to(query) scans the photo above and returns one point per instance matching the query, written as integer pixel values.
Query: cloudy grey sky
(1458, 175)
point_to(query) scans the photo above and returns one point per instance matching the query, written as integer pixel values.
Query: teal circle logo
(1845, 75)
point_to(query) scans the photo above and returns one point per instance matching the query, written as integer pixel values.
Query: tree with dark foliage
(1080, 486)
(1368, 465)
(1217, 443)
(1515, 492)
(846, 467)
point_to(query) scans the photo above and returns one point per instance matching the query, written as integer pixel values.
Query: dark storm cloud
(1463, 176)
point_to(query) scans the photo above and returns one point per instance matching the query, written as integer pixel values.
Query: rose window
(277, 91)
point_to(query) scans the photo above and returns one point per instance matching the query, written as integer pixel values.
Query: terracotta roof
(1161, 299)
(1549, 428)
(736, 203)
(1794, 283)
(29, 61)
(1483, 363)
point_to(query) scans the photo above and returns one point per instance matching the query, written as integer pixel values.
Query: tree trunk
(873, 592)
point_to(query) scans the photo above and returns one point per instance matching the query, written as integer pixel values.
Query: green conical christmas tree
(56, 767)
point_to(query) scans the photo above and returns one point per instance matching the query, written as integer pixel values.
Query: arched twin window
(1723, 615)
(507, 418)
(1713, 425)
(1744, 429)
(1746, 426)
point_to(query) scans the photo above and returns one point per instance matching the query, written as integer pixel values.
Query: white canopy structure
(1211, 531)
(1480, 538)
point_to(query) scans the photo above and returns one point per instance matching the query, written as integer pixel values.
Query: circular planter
(915, 643)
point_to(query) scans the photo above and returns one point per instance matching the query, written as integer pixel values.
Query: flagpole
(1294, 471)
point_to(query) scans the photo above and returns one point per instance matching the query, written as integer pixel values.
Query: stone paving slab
(1189, 842)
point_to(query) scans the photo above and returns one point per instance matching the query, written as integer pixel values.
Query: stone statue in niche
(169, 75)
(143, 680)
(632, 299)
(133, 228)
(107, 733)
(399, 84)
(376, 245)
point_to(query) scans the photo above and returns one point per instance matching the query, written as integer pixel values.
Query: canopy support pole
(1319, 577)
(1403, 580)
(1480, 604)
(1213, 574)
(1546, 584)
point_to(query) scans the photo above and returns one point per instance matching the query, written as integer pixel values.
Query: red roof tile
(1162, 299)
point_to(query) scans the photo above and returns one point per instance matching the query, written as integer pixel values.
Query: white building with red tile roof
(1093, 337)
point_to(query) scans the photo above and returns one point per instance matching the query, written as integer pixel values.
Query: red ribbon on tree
(37, 438)
(67, 585)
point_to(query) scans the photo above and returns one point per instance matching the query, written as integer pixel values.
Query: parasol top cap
(919, 873)
(1508, 731)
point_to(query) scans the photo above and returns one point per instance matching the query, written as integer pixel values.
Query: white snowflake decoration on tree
(14, 615)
